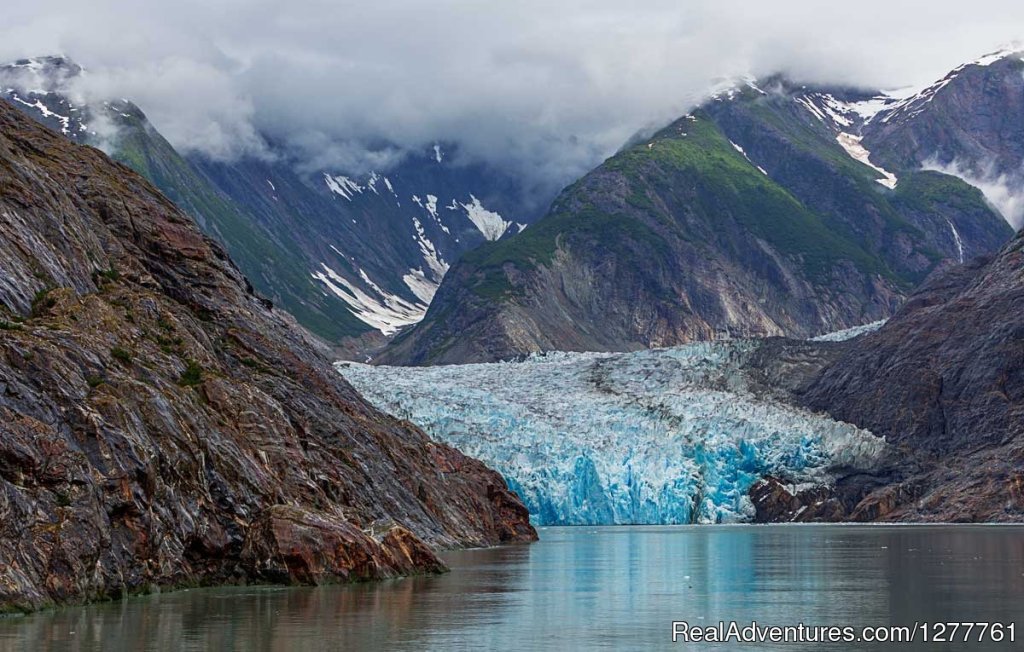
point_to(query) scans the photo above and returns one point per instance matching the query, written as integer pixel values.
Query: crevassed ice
(850, 333)
(662, 436)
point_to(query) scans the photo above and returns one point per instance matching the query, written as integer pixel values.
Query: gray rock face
(160, 425)
(761, 213)
(968, 123)
(944, 381)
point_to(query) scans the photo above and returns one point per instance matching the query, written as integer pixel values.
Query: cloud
(1003, 191)
(548, 88)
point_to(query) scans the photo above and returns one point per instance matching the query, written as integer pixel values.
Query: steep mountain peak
(45, 89)
(372, 246)
(966, 124)
(732, 88)
(772, 208)
(908, 102)
(46, 74)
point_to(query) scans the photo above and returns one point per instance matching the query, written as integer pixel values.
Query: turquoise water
(591, 588)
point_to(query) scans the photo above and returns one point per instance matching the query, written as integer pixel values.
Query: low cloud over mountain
(548, 89)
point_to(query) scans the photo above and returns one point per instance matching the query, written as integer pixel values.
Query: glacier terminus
(661, 436)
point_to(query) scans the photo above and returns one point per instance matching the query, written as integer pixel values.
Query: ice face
(663, 436)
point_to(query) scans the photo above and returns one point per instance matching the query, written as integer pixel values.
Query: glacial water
(592, 588)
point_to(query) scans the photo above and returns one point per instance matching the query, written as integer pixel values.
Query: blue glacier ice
(664, 436)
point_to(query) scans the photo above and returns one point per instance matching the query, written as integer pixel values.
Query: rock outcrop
(162, 426)
(944, 382)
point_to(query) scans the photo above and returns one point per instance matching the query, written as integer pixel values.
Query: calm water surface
(590, 588)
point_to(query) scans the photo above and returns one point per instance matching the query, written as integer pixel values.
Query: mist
(547, 90)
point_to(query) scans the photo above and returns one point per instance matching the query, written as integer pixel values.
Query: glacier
(664, 436)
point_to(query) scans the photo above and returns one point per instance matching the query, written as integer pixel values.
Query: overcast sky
(551, 86)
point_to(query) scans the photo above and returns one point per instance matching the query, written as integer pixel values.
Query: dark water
(591, 588)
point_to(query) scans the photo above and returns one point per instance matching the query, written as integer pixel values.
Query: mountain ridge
(759, 213)
(162, 426)
(389, 237)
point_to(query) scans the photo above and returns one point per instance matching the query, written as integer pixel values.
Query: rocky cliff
(944, 382)
(759, 213)
(161, 425)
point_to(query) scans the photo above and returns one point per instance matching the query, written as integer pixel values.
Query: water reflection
(593, 588)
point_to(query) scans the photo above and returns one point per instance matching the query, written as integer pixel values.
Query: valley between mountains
(793, 302)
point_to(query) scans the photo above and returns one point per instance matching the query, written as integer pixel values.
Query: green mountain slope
(748, 217)
(266, 257)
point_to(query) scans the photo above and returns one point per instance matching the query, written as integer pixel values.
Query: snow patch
(489, 223)
(386, 312)
(65, 121)
(740, 150)
(850, 333)
(432, 205)
(826, 108)
(371, 183)
(998, 55)
(810, 106)
(852, 145)
(422, 287)
(342, 185)
(435, 263)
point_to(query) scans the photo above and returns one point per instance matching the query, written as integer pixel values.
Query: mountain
(379, 243)
(162, 426)
(967, 123)
(943, 381)
(349, 255)
(761, 212)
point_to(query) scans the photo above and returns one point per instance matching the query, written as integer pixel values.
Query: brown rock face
(161, 426)
(290, 544)
(774, 502)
